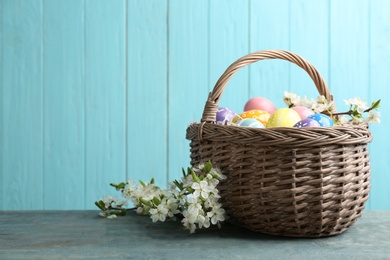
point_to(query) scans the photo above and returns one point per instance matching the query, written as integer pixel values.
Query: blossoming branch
(355, 114)
(194, 199)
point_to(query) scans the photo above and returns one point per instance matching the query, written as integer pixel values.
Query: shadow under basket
(299, 182)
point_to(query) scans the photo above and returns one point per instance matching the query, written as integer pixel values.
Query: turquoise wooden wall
(97, 91)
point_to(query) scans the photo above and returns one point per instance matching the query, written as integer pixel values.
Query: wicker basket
(300, 182)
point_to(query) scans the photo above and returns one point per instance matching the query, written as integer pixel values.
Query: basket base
(307, 227)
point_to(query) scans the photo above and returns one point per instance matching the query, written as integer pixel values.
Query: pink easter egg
(303, 112)
(260, 103)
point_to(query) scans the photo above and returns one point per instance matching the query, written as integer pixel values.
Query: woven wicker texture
(304, 182)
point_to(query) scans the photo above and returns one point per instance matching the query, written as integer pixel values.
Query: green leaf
(194, 176)
(156, 201)
(117, 212)
(375, 105)
(123, 212)
(118, 186)
(99, 205)
(152, 181)
(184, 172)
(356, 114)
(179, 185)
(207, 167)
(142, 183)
(103, 204)
(146, 202)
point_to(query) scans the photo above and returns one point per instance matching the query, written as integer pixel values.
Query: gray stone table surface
(85, 235)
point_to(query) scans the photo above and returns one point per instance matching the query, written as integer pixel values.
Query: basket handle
(211, 107)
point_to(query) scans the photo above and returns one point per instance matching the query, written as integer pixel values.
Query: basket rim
(313, 136)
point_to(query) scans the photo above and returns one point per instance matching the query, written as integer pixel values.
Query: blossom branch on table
(357, 107)
(195, 198)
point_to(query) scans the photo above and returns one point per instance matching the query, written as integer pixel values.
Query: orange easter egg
(260, 115)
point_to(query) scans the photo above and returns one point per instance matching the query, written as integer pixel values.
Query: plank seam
(83, 73)
(167, 96)
(43, 105)
(126, 90)
(1, 105)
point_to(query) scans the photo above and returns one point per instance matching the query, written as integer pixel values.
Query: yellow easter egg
(259, 115)
(283, 117)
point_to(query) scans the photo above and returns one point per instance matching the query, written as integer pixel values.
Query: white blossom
(322, 100)
(108, 200)
(290, 98)
(189, 220)
(194, 204)
(355, 120)
(160, 213)
(217, 214)
(143, 210)
(103, 213)
(198, 168)
(322, 105)
(203, 221)
(212, 200)
(187, 181)
(140, 210)
(343, 120)
(319, 108)
(111, 216)
(212, 182)
(361, 105)
(202, 189)
(373, 117)
(217, 172)
(306, 102)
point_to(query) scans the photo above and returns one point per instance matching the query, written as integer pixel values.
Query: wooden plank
(2, 137)
(378, 88)
(349, 55)
(269, 29)
(309, 37)
(105, 83)
(21, 101)
(147, 90)
(64, 104)
(83, 235)
(188, 76)
(229, 34)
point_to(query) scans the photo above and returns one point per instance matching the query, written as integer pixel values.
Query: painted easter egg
(260, 103)
(303, 112)
(250, 122)
(307, 122)
(260, 115)
(283, 117)
(224, 115)
(323, 120)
